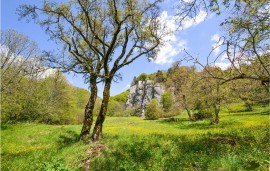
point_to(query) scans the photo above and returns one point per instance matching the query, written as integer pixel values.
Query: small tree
(180, 81)
(167, 101)
(153, 111)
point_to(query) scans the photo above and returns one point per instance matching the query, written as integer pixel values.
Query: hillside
(239, 142)
(50, 100)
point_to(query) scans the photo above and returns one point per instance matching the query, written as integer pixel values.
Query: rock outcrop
(142, 93)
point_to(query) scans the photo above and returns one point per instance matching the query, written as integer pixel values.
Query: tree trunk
(187, 108)
(217, 109)
(97, 133)
(89, 108)
(217, 105)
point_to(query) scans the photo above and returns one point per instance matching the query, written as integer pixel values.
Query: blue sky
(198, 38)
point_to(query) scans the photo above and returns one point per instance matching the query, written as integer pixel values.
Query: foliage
(157, 77)
(153, 110)
(32, 92)
(49, 100)
(160, 76)
(171, 113)
(122, 97)
(115, 108)
(167, 101)
(55, 164)
(19, 58)
(141, 77)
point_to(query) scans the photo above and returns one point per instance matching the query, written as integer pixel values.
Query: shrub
(171, 113)
(201, 116)
(167, 101)
(153, 111)
(133, 111)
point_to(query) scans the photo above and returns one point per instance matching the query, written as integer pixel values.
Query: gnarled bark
(89, 108)
(97, 133)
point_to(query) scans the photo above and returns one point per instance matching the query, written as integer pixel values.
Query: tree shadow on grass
(4, 126)
(67, 138)
(183, 123)
(250, 113)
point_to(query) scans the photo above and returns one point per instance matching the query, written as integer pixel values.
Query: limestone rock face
(142, 93)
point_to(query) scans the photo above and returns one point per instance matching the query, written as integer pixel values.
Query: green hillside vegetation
(50, 100)
(117, 105)
(157, 77)
(239, 142)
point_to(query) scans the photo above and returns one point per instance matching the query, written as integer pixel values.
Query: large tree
(101, 37)
(245, 40)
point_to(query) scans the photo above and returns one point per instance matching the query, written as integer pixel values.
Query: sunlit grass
(137, 144)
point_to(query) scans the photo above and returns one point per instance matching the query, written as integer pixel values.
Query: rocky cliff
(141, 94)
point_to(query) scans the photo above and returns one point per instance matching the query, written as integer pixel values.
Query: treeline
(195, 92)
(50, 100)
(200, 95)
(31, 92)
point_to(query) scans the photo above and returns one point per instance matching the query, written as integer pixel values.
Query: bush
(171, 113)
(153, 111)
(167, 101)
(133, 111)
(201, 116)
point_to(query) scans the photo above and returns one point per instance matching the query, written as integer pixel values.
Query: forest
(193, 115)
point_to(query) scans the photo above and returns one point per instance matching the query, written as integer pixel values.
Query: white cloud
(223, 65)
(127, 87)
(172, 46)
(31, 64)
(217, 42)
(190, 22)
(46, 73)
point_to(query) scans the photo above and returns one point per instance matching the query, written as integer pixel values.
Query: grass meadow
(239, 142)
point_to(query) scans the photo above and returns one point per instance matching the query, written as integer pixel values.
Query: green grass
(137, 144)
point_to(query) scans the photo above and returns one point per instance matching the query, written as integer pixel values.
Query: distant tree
(250, 92)
(167, 101)
(19, 58)
(92, 31)
(210, 94)
(133, 81)
(160, 77)
(142, 77)
(181, 80)
(153, 110)
(30, 91)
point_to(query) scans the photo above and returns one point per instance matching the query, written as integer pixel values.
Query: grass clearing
(136, 144)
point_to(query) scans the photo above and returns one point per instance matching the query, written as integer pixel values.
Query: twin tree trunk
(88, 120)
(97, 133)
(89, 109)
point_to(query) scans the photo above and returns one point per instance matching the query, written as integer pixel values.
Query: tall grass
(137, 144)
